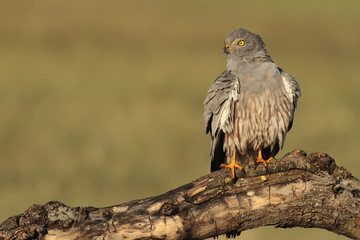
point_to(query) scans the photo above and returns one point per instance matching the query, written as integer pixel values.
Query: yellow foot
(261, 160)
(232, 165)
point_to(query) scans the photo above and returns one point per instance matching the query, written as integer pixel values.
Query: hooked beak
(226, 49)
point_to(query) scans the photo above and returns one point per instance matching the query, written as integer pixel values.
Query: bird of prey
(250, 107)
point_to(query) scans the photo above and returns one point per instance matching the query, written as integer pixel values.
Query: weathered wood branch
(295, 191)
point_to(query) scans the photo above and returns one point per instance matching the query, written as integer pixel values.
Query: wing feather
(218, 113)
(293, 93)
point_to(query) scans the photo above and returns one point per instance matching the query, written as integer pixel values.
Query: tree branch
(295, 191)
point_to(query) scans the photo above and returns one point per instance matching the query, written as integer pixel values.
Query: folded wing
(219, 113)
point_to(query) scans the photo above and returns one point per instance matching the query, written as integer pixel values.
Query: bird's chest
(258, 118)
(255, 106)
(260, 92)
(260, 111)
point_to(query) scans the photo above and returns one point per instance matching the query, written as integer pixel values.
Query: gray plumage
(251, 105)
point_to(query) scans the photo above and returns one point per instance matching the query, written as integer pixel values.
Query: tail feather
(270, 152)
(217, 152)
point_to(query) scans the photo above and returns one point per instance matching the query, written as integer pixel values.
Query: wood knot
(323, 161)
(169, 208)
(107, 214)
(33, 215)
(62, 216)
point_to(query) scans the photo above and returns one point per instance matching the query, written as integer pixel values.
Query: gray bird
(250, 106)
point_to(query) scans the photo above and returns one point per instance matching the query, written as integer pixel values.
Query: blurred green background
(101, 101)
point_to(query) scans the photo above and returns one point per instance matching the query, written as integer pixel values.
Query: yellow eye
(241, 43)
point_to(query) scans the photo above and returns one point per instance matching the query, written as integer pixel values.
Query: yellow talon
(261, 160)
(232, 165)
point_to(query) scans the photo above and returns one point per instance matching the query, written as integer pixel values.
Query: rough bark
(295, 191)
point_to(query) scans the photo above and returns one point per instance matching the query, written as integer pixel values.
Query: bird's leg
(261, 160)
(232, 165)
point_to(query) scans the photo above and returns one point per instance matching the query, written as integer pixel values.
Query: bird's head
(244, 45)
